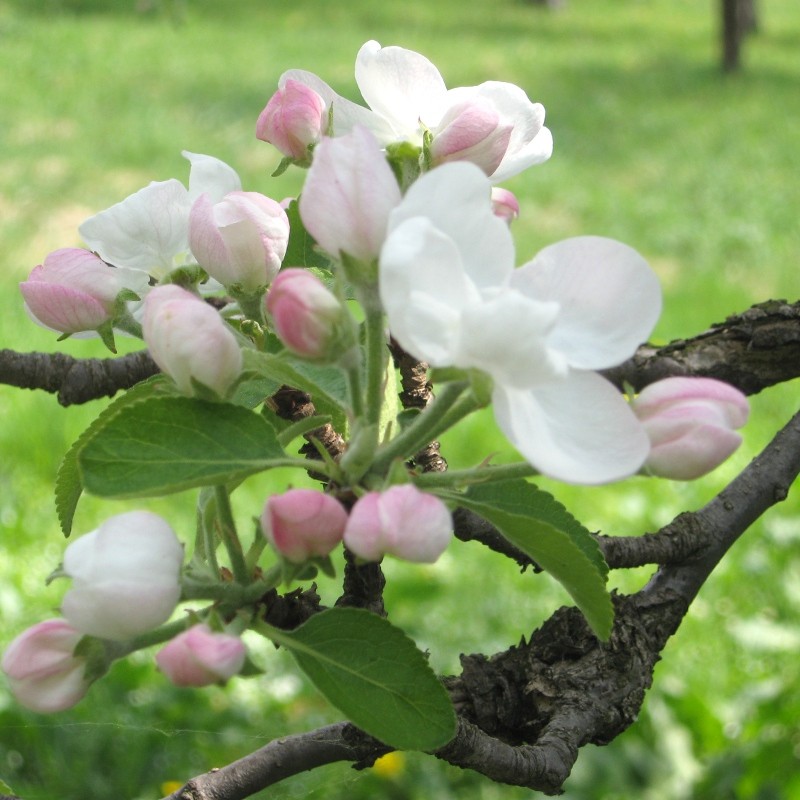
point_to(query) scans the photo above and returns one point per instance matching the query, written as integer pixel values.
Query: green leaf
(69, 485)
(6, 789)
(166, 444)
(301, 250)
(326, 384)
(541, 527)
(375, 675)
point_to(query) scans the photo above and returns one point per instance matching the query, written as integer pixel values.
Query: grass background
(653, 146)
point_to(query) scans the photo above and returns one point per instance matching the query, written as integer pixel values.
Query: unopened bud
(691, 425)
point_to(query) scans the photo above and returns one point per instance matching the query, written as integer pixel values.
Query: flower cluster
(411, 242)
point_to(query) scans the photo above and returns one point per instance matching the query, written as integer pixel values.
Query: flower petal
(402, 87)
(209, 175)
(530, 142)
(144, 231)
(456, 198)
(346, 114)
(610, 298)
(578, 430)
(424, 289)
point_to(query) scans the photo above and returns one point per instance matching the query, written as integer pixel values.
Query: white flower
(453, 298)
(494, 124)
(149, 230)
(125, 576)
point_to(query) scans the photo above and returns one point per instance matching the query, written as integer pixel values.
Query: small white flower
(453, 298)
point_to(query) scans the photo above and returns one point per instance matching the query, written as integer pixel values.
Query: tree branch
(524, 713)
(752, 350)
(75, 380)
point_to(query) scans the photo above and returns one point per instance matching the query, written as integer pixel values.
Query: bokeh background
(653, 145)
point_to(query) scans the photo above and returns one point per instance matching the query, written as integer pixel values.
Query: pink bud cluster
(74, 291)
(125, 582)
(304, 312)
(199, 657)
(401, 521)
(190, 341)
(691, 424)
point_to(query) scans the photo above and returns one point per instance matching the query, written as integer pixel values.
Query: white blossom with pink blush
(149, 230)
(200, 657)
(453, 298)
(401, 521)
(125, 576)
(74, 291)
(304, 312)
(691, 424)
(348, 195)
(42, 670)
(303, 523)
(241, 240)
(494, 124)
(294, 119)
(190, 341)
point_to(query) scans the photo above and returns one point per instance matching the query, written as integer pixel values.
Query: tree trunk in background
(738, 19)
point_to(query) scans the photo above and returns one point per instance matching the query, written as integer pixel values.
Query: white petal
(579, 430)
(506, 337)
(610, 298)
(401, 86)
(209, 175)
(530, 142)
(145, 231)
(457, 199)
(423, 289)
(346, 114)
(538, 150)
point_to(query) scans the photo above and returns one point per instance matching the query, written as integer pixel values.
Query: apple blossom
(504, 204)
(149, 229)
(42, 671)
(691, 425)
(199, 657)
(74, 291)
(401, 521)
(304, 312)
(294, 119)
(453, 298)
(303, 523)
(125, 576)
(190, 341)
(494, 124)
(241, 240)
(348, 195)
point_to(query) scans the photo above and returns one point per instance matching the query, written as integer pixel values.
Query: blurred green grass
(654, 146)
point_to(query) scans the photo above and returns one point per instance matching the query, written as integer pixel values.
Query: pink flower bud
(42, 671)
(240, 240)
(74, 290)
(189, 340)
(199, 657)
(125, 576)
(304, 312)
(690, 423)
(504, 204)
(471, 131)
(303, 523)
(349, 194)
(403, 522)
(294, 118)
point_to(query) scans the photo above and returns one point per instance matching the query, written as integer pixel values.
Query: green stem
(377, 356)
(166, 632)
(466, 477)
(351, 364)
(446, 409)
(227, 532)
